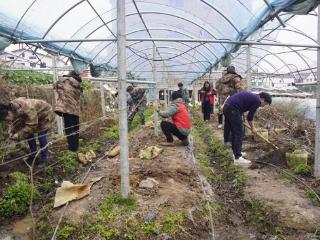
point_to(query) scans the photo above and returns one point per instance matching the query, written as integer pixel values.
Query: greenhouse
(146, 119)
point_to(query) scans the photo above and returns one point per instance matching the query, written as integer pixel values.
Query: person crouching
(28, 117)
(181, 122)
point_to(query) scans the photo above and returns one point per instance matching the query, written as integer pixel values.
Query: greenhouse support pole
(103, 101)
(317, 140)
(123, 121)
(155, 91)
(248, 75)
(55, 78)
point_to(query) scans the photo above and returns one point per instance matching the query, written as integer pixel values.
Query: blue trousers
(42, 137)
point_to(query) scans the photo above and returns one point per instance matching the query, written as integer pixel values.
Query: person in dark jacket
(184, 93)
(68, 106)
(233, 109)
(28, 117)
(137, 103)
(181, 121)
(207, 100)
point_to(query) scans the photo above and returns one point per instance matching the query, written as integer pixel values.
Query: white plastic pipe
(123, 121)
(317, 140)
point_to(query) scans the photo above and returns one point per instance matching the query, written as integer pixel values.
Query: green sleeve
(170, 111)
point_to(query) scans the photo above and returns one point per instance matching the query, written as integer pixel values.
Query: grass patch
(112, 132)
(313, 197)
(66, 232)
(17, 197)
(171, 222)
(92, 146)
(261, 217)
(69, 161)
(302, 169)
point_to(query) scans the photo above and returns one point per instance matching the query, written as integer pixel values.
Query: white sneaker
(243, 154)
(241, 161)
(220, 126)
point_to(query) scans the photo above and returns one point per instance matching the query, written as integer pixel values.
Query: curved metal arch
(171, 58)
(61, 16)
(297, 31)
(158, 47)
(190, 13)
(15, 29)
(275, 55)
(268, 54)
(208, 60)
(176, 61)
(168, 66)
(184, 52)
(114, 9)
(260, 59)
(173, 48)
(244, 69)
(222, 15)
(169, 30)
(149, 12)
(300, 55)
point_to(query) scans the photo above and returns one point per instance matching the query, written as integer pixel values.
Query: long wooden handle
(259, 135)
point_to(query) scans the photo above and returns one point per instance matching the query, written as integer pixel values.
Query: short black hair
(4, 109)
(74, 75)
(266, 96)
(175, 95)
(180, 84)
(129, 88)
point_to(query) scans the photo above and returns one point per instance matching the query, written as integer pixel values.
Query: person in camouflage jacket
(184, 93)
(229, 84)
(69, 91)
(28, 117)
(138, 103)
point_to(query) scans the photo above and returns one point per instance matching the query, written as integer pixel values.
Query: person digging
(233, 109)
(181, 121)
(28, 117)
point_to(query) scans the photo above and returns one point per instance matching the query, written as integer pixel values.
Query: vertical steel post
(123, 121)
(55, 78)
(317, 140)
(248, 77)
(155, 91)
(103, 100)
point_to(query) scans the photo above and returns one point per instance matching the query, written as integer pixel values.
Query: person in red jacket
(181, 121)
(207, 100)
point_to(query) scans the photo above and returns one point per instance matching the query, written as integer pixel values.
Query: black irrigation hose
(291, 175)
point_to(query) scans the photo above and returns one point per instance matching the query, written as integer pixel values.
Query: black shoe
(41, 166)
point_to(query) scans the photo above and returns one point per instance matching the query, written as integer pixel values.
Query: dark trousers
(233, 124)
(206, 109)
(220, 118)
(140, 111)
(71, 129)
(170, 129)
(42, 137)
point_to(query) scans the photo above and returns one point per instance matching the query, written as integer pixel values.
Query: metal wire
(89, 123)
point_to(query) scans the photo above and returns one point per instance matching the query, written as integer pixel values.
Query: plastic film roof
(180, 19)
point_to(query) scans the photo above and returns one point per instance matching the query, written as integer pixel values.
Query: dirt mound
(294, 209)
(276, 157)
